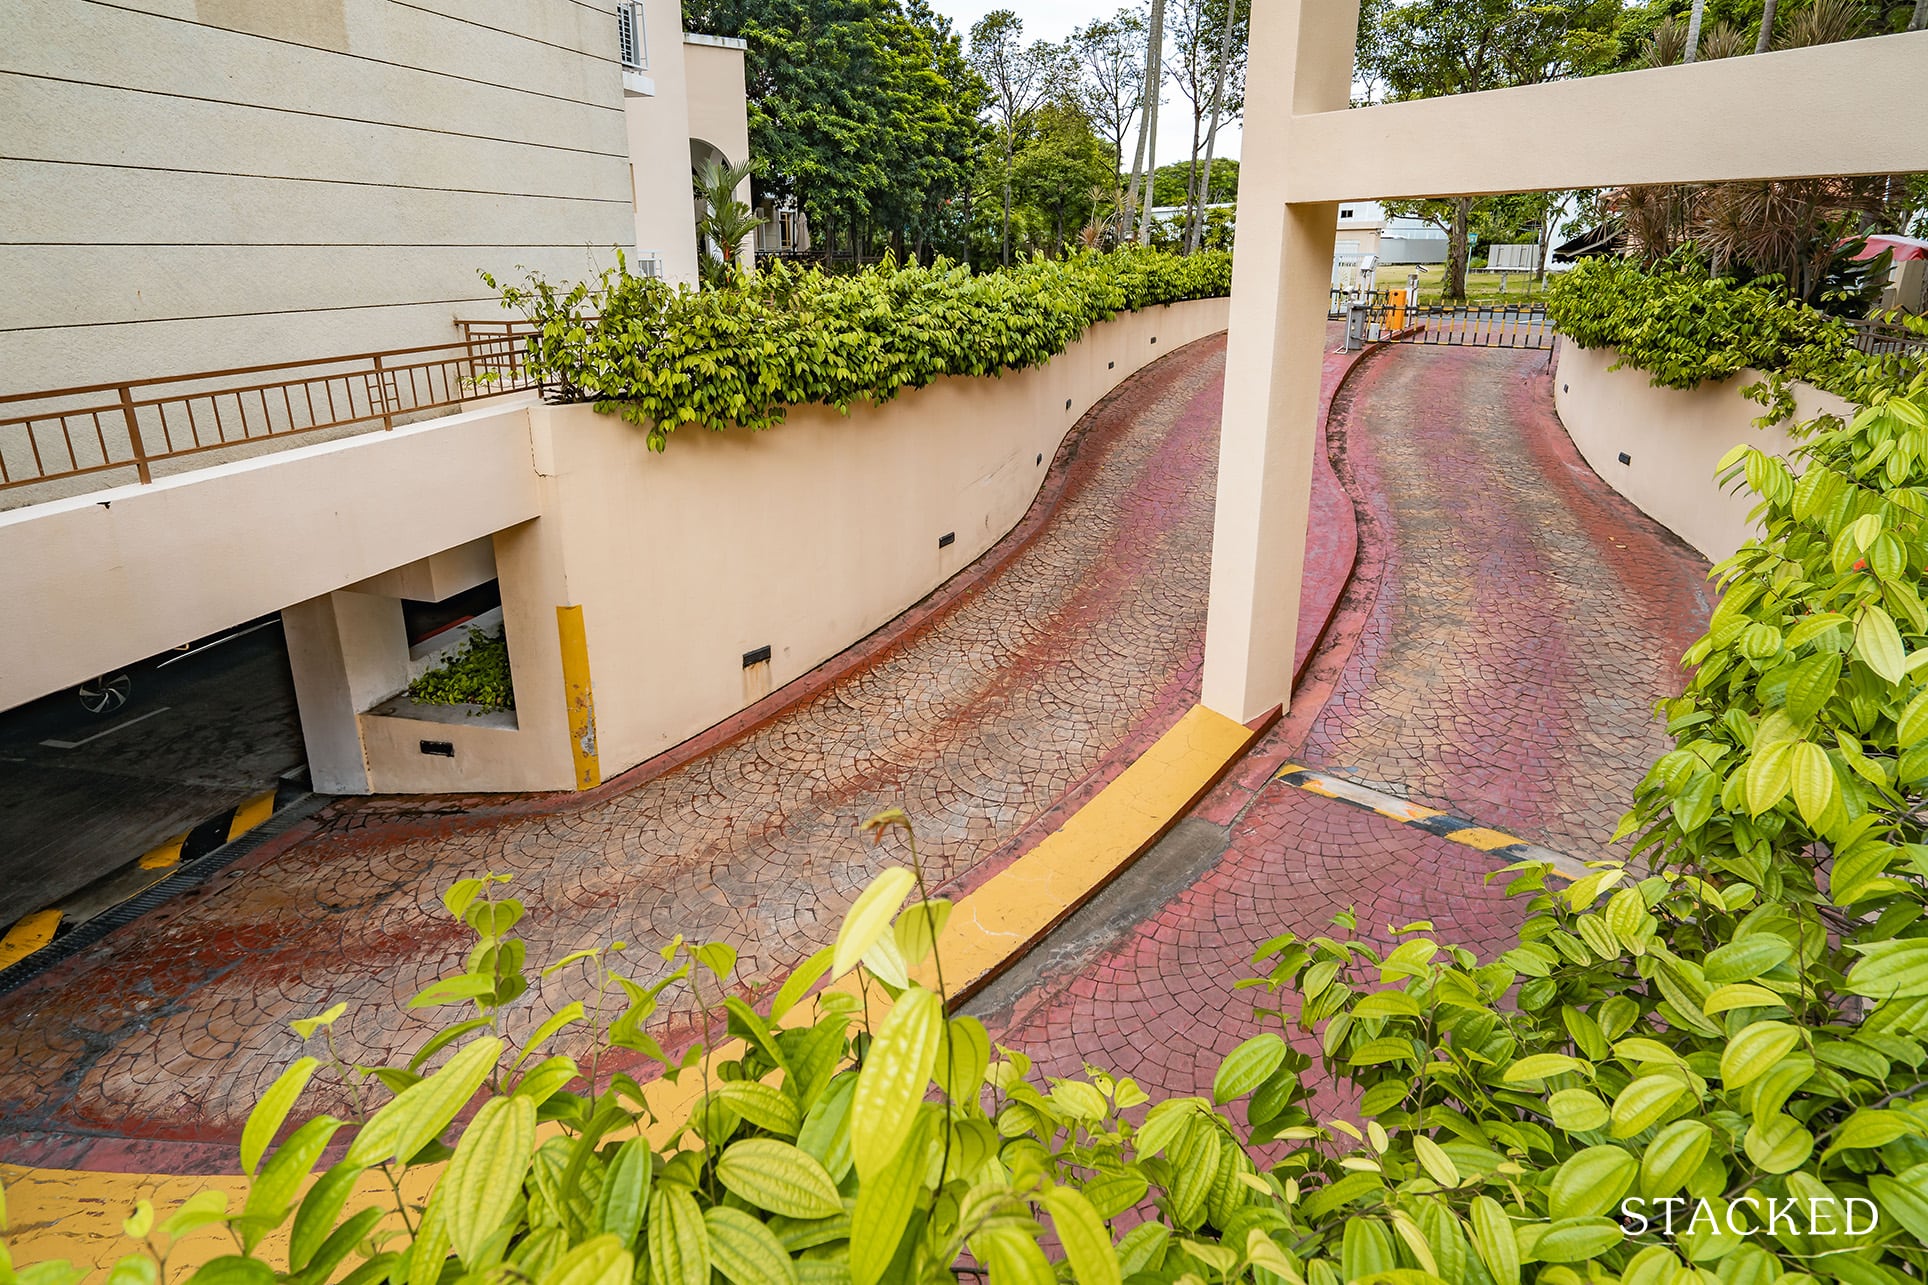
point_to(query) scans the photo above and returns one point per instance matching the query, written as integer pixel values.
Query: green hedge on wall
(744, 353)
(1684, 328)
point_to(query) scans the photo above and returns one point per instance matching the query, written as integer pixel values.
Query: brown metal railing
(96, 428)
(1880, 338)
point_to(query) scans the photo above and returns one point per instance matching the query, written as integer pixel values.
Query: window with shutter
(631, 37)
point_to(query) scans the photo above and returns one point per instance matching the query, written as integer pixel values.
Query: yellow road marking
(28, 935)
(251, 814)
(1483, 839)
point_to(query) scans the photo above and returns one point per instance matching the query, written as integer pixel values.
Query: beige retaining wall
(1673, 440)
(802, 539)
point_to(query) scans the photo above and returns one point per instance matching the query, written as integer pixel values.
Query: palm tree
(1766, 39)
(729, 222)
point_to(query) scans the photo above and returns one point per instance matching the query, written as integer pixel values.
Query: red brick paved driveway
(979, 719)
(1497, 654)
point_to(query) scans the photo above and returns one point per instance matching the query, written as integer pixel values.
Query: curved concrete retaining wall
(802, 540)
(1672, 439)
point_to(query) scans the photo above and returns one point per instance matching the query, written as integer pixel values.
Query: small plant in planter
(477, 674)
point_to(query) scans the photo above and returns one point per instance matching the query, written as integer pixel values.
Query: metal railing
(632, 36)
(1879, 338)
(132, 425)
(1470, 326)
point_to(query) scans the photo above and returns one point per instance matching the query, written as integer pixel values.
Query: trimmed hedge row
(1684, 328)
(744, 353)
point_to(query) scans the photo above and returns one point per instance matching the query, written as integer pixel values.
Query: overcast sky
(1054, 20)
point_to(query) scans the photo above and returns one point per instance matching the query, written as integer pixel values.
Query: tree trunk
(1456, 250)
(1154, 67)
(1192, 198)
(1218, 104)
(1920, 21)
(1766, 40)
(1546, 234)
(1130, 211)
(1003, 253)
(1693, 30)
(1010, 145)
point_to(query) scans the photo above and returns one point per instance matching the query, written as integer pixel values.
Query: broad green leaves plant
(744, 352)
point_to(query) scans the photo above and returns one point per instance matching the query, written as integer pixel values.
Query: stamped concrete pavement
(1497, 654)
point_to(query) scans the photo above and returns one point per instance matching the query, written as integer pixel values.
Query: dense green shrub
(477, 674)
(745, 352)
(1683, 327)
(1736, 1025)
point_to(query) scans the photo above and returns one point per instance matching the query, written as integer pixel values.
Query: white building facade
(196, 185)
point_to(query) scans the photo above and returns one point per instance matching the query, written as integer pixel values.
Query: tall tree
(1426, 48)
(1694, 19)
(1017, 78)
(1109, 55)
(942, 171)
(853, 111)
(1147, 150)
(1060, 173)
(1765, 41)
(1230, 64)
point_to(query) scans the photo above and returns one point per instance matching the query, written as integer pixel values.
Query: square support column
(347, 651)
(1301, 60)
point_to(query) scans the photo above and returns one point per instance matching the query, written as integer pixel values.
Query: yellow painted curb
(251, 814)
(76, 1214)
(28, 934)
(165, 854)
(994, 925)
(579, 696)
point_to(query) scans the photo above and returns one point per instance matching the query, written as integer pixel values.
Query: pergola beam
(1858, 107)
(1851, 108)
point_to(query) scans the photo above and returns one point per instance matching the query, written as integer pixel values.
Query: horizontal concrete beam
(94, 583)
(1849, 108)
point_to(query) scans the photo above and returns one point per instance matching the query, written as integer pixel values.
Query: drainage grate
(191, 875)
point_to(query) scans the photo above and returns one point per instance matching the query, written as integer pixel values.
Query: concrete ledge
(95, 582)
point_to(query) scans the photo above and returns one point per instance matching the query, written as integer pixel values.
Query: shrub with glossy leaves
(744, 352)
(1684, 327)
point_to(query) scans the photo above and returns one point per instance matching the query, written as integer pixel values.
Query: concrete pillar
(1301, 62)
(348, 651)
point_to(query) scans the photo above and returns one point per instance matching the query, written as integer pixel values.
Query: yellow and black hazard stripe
(1445, 825)
(34, 932)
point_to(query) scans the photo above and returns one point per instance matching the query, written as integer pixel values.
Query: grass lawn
(1481, 286)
